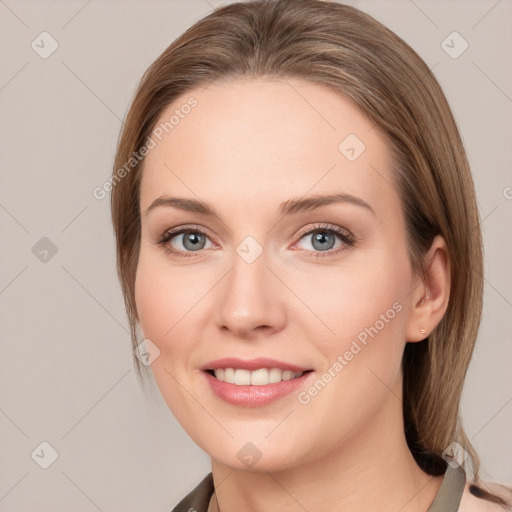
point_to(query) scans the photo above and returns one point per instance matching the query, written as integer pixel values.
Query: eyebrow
(290, 207)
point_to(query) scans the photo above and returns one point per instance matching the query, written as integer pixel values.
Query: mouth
(258, 377)
(254, 383)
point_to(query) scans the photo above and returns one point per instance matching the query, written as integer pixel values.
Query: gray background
(66, 372)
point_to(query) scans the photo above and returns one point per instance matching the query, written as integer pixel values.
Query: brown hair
(343, 48)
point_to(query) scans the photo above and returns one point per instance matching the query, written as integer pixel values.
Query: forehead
(258, 142)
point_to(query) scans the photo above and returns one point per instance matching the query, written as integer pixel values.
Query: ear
(430, 296)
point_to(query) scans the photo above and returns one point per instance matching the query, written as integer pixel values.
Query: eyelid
(323, 226)
(186, 228)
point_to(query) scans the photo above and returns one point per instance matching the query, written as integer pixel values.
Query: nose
(250, 299)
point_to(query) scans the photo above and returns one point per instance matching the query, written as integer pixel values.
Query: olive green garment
(447, 498)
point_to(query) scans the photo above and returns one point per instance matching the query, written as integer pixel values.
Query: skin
(246, 148)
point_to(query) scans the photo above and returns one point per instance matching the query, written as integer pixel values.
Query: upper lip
(252, 364)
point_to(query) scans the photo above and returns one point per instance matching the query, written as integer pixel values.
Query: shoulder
(472, 503)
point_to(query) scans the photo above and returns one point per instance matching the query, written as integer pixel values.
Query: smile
(254, 383)
(259, 377)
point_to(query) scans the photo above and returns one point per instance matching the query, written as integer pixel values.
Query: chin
(254, 453)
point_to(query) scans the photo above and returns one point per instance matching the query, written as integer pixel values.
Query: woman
(298, 243)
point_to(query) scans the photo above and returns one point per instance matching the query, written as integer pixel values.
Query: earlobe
(430, 296)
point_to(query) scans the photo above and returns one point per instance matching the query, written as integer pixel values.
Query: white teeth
(260, 377)
(288, 374)
(242, 377)
(274, 375)
(229, 375)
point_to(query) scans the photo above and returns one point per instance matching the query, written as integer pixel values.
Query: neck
(372, 470)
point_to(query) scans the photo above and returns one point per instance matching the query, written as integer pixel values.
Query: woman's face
(254, 280)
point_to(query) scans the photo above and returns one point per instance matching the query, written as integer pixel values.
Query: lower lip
(254, 396)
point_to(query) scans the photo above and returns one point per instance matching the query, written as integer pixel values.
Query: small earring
(423, 331)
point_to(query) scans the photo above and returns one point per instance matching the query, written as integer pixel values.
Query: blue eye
(323, 239)
(194, 240)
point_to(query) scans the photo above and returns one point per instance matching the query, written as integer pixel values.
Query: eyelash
(346, 237)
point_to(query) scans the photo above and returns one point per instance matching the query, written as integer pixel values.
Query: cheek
(351, 297)
(166, 299)
(166, 314)
(153, 304)
(364, 306)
